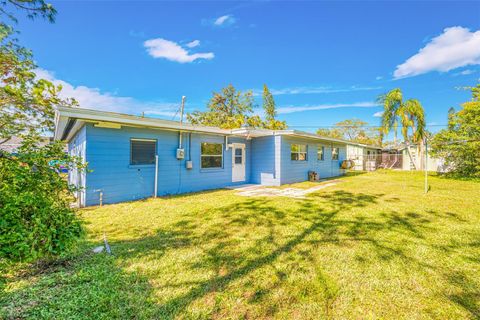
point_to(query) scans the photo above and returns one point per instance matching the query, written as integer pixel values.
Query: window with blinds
(142, 151)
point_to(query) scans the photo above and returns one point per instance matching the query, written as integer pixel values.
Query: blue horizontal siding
(267, 159)
(263, 161)
(297, 171)
(108, 156)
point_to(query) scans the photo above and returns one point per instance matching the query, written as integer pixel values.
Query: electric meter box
(180, 154)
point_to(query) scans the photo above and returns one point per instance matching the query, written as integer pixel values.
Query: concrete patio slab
(263, 191)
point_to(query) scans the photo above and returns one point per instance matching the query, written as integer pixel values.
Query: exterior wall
(297, 171)
(108, 155)
(363, 160)
(264, 161)
(77, 148)
(355, 153)
(372, 159)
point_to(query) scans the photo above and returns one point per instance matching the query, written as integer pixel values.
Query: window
(142, 151)
(334, 153)
(211, 155)
(298, 152)
(321, 153)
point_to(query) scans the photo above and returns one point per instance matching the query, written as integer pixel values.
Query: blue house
(131, 157)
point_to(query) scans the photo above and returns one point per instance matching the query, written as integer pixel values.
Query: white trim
(140, 139)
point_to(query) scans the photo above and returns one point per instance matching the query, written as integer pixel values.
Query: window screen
(142, 151)
(211, 155)
(298, 152)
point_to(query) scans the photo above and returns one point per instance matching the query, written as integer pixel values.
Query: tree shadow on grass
(86, 286)
(467, 293)
(99, 283)
(262, 212)
(317, 219)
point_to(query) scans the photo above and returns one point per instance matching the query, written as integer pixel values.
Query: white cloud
(193, 44)
(224, 20)
(378, 114)
(465, 72)
(94, 98)
(161, 48)
(455, 47)
(378, 78)
(312, 90)
(292, 109)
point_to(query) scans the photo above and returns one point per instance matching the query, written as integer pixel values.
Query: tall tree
(32, 8)
(269, 108)
(451, 115)
(35, 217)
(26, 103)
(330, 133)
(228, 109)
(408, 114)
(459, 144)
(392, 102)
(353, 130)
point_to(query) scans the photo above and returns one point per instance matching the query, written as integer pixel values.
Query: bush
(459, 144)
(36, 219)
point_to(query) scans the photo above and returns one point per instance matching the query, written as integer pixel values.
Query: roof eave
(65, 113)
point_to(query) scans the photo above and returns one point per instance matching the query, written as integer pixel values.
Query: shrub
(36, 218)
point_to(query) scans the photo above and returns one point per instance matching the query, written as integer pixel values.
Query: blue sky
(324, 61)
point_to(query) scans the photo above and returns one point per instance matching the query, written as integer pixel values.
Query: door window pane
(238, 156)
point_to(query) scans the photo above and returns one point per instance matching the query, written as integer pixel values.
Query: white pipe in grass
(426, 166)
(156, 177)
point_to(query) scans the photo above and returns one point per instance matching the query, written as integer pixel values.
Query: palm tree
(409, 114)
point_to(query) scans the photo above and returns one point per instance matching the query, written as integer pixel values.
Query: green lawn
(373, 246)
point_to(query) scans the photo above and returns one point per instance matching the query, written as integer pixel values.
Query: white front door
(238, 162)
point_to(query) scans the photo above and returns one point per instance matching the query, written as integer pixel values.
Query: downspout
(331, 160)
(190, 146)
